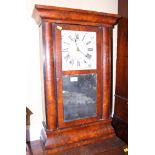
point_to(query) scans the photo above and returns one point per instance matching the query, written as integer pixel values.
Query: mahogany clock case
(59, 134)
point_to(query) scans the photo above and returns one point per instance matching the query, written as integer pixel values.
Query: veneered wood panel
(122, 77)
(123, 8)
(58, 14)
(121, 108)
(49, 81)
(122, 49)
(107, 51)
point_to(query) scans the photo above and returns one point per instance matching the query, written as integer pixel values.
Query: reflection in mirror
(79, 96)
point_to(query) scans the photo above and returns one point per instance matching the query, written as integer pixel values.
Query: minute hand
(86, 55)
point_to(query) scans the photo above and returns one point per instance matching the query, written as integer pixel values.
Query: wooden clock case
(58, 135)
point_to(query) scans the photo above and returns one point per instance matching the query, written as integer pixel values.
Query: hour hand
(86, 55)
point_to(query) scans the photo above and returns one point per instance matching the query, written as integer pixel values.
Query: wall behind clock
(33, 83)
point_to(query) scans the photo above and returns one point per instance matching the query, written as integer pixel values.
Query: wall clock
(76, 64)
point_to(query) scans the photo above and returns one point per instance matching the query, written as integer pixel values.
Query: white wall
(33, 83)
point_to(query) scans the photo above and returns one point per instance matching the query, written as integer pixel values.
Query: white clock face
(78, 50)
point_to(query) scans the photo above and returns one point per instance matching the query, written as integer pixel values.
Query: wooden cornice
(60, 14)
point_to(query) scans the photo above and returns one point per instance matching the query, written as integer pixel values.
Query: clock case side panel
(46, 33)
(107, 72)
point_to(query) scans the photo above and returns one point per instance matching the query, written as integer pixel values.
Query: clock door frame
(60, 73)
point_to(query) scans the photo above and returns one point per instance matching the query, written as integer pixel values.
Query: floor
(113, 146)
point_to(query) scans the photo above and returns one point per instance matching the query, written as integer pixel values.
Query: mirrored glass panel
(79, 96)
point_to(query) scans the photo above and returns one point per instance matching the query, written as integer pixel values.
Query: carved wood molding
(58, 14)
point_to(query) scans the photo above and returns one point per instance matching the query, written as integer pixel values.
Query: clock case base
(67, 138)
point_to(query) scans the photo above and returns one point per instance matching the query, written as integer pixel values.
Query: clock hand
(86, 55)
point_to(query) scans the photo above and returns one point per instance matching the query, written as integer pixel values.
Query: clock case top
(55, 136)
(74, 16)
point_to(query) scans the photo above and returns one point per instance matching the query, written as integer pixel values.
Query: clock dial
(78, 50)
